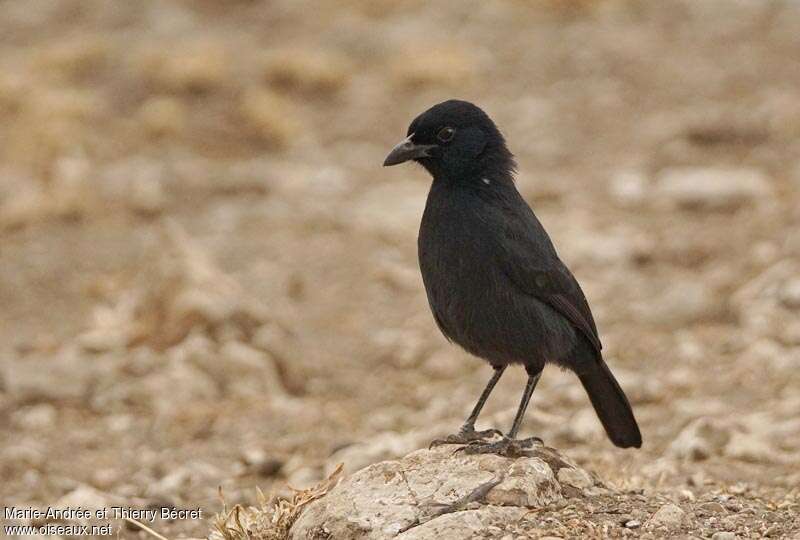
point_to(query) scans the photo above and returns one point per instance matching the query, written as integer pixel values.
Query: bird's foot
(504, 447)
(467, 435)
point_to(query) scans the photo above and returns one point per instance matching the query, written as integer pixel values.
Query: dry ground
(207, 279)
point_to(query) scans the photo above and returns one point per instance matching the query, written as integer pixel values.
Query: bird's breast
(455, 250)
(459, 270)
(472, 299)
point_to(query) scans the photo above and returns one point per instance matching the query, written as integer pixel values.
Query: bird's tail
(611, 405)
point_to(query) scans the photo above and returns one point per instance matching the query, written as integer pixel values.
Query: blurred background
(207, 278)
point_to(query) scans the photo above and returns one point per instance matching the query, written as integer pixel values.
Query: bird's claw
(504, 447)
(467, 435)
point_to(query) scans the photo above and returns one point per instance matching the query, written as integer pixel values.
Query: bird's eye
(446, 134)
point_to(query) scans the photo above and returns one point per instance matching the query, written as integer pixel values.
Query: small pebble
(739, 489)
(723, 536)
(712, 508)
(669, 516)
(633, 524)
(733, 506)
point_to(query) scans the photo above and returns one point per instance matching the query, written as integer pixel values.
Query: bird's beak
(407, 150)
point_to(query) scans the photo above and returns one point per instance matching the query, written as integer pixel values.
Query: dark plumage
(494, 281)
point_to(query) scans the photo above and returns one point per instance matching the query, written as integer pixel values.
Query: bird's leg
(510, 445)
(467, 433)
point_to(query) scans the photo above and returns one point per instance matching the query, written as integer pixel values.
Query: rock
(29, 204)
(528, 483)
(106, 478)
(183, 290)
(167, 384)
(466, 524)
(25, 454)
(437, 494)
(628, 188)
(147, 196)
(790, 293)
(633, 524)
(87, 498)
(733, 506)
(617, 246)
(70, 194)
(49, 377)
(36, 417)
(712, 188)
(723, 536)
(247, 371)
(767, 304)
(640, 387)
(71, 191)
(751, 448)
(583, 427)
(685, 301)
(173, 388)
(669, 516)
(712, 508)
(112, 326)
(577, 478)
(181, 480)
(304, 476)
(700, 440)
(659, 468)
(234, 366)
(136, 182)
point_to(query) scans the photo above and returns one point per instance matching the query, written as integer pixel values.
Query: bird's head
(455, 140)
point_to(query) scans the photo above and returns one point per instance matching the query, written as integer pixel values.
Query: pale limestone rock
(790, 293)
(669, 516)
(50, 377)
(701, 439)
(577, 478)
(583, 426)
(712, 188)
(751, 448)
(185, 290)
(707, 437)
(685, 301)
(41, 416)
(628, 188)
(466, 524)
(443, 495)
(87, 498)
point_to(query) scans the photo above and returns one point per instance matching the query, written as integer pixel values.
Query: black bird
(494, 281)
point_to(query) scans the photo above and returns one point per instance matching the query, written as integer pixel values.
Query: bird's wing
(531, 263)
